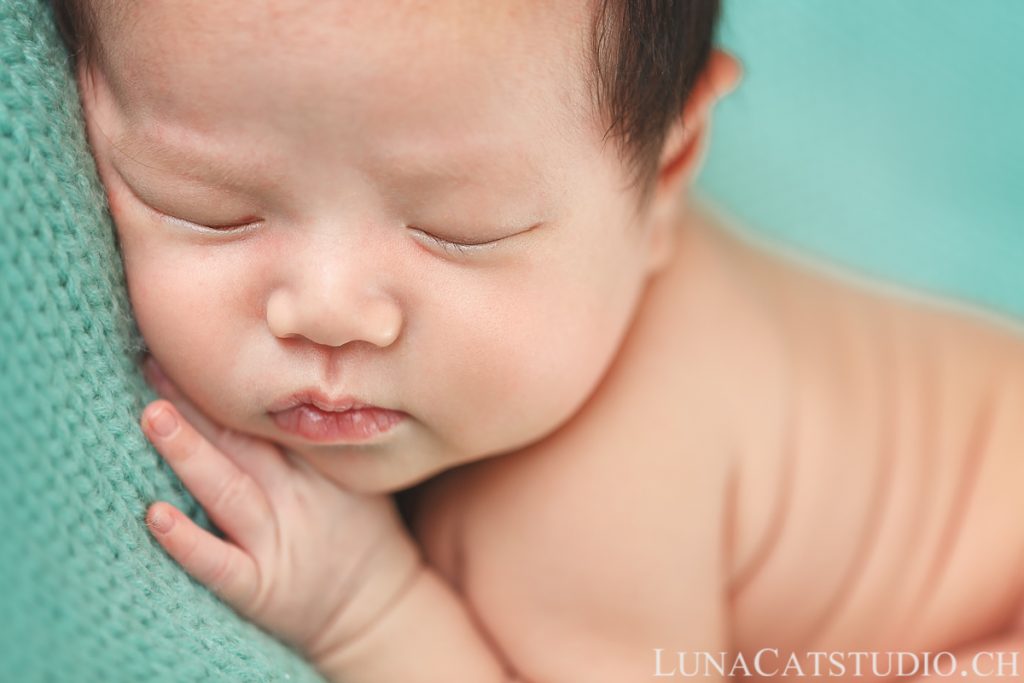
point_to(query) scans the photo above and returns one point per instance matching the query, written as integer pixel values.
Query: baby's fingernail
(161, 522)
(162, 422)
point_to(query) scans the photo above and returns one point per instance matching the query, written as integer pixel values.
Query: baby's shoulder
(823, 312)
(864, 356)
(881, 388)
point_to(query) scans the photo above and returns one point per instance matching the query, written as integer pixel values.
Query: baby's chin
(381, 468)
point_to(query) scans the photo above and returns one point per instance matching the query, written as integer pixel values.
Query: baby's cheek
(520, 382)
(113, 202)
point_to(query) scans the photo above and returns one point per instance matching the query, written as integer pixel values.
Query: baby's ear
(684, 150)
(686, 141)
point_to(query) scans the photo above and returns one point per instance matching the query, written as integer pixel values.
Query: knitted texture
(86, 594)
(896, 147)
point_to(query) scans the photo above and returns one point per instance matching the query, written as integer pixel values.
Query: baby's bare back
(897, 519)
(777, 458)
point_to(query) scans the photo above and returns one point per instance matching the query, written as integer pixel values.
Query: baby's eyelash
(461, 247)
(233, 229)
(449, 246)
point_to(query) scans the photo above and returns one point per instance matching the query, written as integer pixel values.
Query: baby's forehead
(407, 48)
(393, 89)
(498, 70)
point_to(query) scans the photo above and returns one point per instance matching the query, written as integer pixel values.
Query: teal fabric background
(86, 595)
(885, 135)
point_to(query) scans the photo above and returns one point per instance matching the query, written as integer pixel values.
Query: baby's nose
(333, 304)
(375, 320)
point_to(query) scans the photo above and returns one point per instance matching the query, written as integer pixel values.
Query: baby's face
(342, 139)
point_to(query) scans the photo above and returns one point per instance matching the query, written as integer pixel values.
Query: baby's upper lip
(313, 396)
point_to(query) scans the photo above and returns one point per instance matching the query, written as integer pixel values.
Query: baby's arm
(598, 593)
(427, 635)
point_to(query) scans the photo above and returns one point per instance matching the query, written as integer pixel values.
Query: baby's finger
(165, 388)
(232, 498)
(230, 573)
(261, 459)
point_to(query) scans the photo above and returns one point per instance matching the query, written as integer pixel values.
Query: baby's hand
(309, 562)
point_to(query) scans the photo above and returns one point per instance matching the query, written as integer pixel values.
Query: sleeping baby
(476, 390)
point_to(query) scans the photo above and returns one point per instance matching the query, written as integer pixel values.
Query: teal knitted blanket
(86, 594)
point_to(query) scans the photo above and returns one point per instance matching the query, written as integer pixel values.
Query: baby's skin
(649, 438)
(781, 460)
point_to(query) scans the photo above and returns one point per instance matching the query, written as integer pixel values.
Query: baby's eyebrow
(202, 162)
(456, 164)
(202, 159)
(506, 169)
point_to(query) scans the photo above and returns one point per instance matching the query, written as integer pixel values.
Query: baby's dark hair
(645, 55)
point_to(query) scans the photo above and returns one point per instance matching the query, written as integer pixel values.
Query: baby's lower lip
(322, 426)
